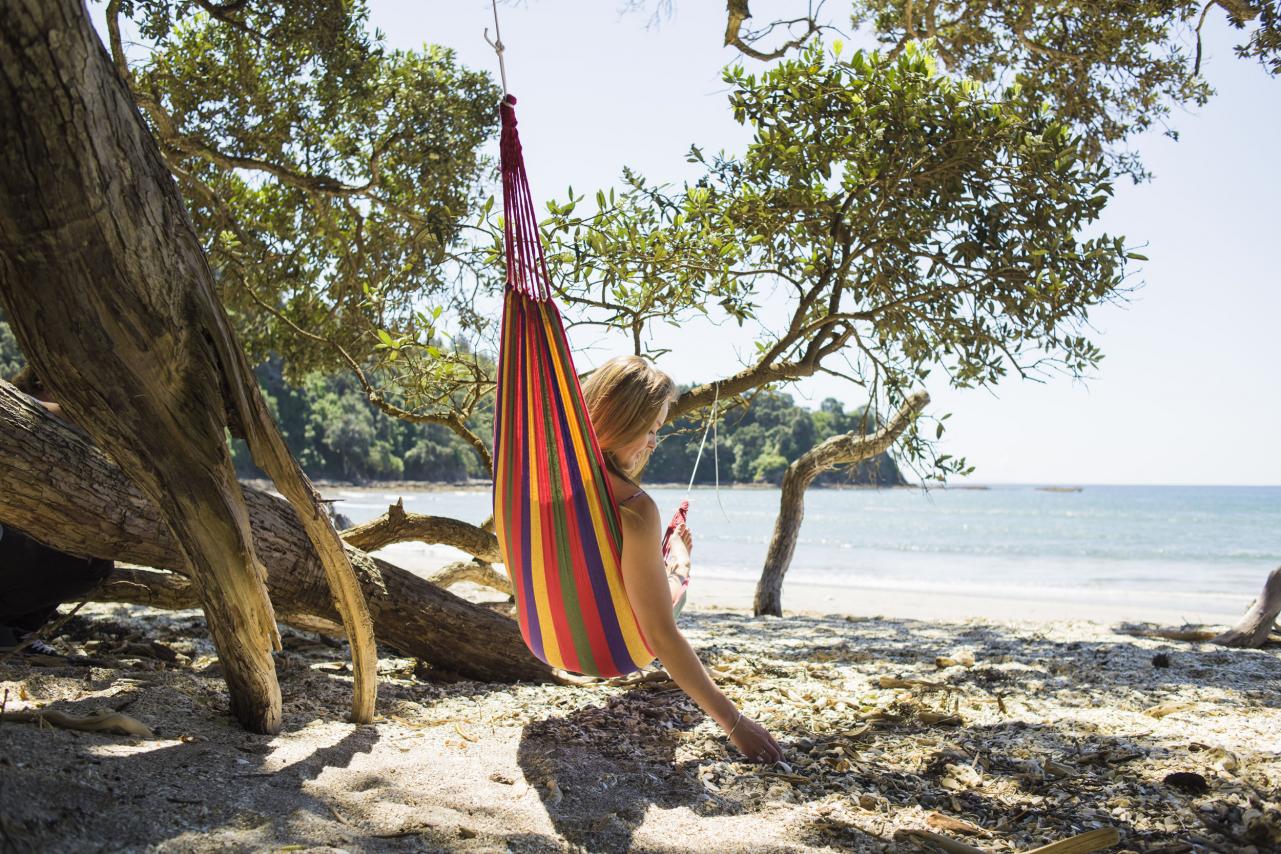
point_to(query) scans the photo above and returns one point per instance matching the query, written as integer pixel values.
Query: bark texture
(57, 487)
(113, 302)
(840, 450)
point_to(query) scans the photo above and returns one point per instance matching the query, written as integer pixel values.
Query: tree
(838, 450)
(916, 222)
(910, 216)
(113, 304)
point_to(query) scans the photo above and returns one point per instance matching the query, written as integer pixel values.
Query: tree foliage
(757, 443)
(1109, 68)
(327, 176)
(336, 434)
(914, 221)
(11, 360)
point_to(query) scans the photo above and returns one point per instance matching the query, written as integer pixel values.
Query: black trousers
(35, 579)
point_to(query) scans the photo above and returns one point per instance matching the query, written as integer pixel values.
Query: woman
(627, 401)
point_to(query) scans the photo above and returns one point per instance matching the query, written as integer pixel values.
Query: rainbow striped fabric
(554, 510)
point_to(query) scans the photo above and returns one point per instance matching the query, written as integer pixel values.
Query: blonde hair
(624, 396)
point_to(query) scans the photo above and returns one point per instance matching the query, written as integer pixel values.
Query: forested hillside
(337, 435)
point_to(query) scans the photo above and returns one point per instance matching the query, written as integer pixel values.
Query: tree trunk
(1256, 626)
(62, 490)
(840, 450)
(111, 298)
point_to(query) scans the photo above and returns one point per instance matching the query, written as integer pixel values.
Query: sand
(1035, 730)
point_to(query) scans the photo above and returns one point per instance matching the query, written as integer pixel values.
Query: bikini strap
(630, 497)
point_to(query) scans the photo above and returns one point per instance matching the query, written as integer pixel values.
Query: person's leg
(35, 579)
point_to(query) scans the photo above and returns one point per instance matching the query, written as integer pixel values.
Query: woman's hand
(754, 742)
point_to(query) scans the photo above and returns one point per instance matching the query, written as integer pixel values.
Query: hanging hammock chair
(554, 511)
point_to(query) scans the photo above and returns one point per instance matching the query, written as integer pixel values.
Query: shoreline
(713, 594)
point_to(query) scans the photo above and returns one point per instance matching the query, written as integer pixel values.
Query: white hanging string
(716, 457)
(699, 456)
(497, 44)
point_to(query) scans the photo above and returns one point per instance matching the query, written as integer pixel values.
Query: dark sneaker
(37, 652)
(39, 647)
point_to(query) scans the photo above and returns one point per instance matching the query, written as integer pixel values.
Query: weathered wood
(397, 526)
(165, 590)
(113, 302)
(59, 488)
(845, 449)
(1255, 629)
(101, 277)
(1256, 626)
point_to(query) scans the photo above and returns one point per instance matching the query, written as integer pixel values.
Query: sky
(1188, 391)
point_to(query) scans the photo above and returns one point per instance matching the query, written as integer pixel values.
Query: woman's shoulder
(638, 508)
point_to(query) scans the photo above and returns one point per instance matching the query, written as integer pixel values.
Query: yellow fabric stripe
(613, 572)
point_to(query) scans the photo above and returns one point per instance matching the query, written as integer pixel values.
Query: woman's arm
(645, 579)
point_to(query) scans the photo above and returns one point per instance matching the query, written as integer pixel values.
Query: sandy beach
(1002, 734)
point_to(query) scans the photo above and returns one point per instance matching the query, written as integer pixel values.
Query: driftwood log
(114, 304)
(845, 449)
(57, 487)
(1257, 625)
(1256, 628)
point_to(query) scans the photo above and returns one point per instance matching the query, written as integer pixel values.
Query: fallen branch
(1084, 843)
(1256, 628)
(103, 720)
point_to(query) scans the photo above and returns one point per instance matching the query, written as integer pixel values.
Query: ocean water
(1210, 547)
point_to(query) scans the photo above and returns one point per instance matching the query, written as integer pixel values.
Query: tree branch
(737, 13)
(397, 526)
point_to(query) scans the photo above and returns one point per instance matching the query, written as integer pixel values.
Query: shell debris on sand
(998, 737)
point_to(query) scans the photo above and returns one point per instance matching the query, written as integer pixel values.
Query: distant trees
(756, 445)
(330, 425)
